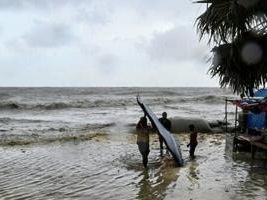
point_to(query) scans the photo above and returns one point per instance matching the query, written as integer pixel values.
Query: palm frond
(231, 68)
(225, 20)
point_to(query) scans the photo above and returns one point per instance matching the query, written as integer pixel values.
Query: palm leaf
(231, 68)
(225, 20)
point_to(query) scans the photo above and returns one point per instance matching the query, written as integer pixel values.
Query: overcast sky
(102, 43)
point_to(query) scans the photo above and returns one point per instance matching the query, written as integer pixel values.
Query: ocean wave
(163, 98)
(4, 95)
(205, 99)
(66, 105)
(29, 106)
(173, 102)
(19, 126)
(16, 140)
(149, 92)
(9, 105)
(97, 126)
(6, 120)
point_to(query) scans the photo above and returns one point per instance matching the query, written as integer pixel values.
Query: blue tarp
(261, 93)
(256, 120)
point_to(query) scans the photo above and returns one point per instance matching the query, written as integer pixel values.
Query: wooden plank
(260, 145)
(242, 137)
(248, 139)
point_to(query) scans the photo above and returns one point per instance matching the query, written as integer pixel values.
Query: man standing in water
(143, 139)
(167, 124)
(193, 141)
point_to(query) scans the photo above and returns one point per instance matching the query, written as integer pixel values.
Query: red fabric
(262, 106)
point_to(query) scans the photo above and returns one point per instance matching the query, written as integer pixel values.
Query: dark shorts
(192, 148)
(143, 148)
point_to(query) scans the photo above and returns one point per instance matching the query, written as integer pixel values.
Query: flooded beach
(82, 151)
(110, 167)
(90, 91)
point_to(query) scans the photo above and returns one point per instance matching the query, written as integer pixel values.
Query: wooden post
(235, 118)
(226, 115)
(253, 151)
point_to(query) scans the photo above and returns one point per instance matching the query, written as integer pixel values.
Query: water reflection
(252, 178)
(112, 169)
(158, 179)
(249, 175)
(193, 174)
(145, 187)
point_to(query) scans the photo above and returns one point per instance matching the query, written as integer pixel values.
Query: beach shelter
(255, 108)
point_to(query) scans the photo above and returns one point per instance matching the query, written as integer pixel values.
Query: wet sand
(109, 166)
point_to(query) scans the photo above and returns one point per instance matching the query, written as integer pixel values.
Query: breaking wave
(109, 102)
(14, 139)
(205, 99)
(64, 105)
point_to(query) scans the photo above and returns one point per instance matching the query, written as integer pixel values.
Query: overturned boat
(181, 125)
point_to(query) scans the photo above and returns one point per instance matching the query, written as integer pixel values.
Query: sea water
(80, 143)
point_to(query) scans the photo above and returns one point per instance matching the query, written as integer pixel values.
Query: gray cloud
(11, 4)
(98, 37)
(107, 63)
(159, 9)
(93, 15)
(144, 8)
(23, 4)
(175, 45)
(39, 4)
(81, 11)
(49, 35)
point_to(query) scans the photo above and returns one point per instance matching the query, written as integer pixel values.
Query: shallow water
(109, 166)
(79, 143)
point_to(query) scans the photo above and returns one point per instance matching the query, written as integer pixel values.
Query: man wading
(167, 124)
(193, 140)
(143, 139)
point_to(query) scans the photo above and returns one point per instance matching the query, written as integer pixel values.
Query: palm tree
(241, 64)
(239, 29)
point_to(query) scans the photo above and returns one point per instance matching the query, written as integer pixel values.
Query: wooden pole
(226, 115)
(235, 118)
